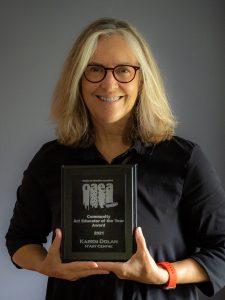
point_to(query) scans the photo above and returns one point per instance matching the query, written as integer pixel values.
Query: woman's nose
(109, 82)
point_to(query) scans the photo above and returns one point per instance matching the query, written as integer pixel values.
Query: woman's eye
(95, 69)
(123, 70)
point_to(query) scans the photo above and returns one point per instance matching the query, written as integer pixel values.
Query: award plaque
(98, 212)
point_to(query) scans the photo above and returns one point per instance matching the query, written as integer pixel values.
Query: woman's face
(110, 101)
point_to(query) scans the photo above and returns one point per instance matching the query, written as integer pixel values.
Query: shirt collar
(92, 153)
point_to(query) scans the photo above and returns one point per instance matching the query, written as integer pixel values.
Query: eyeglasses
(122, 73)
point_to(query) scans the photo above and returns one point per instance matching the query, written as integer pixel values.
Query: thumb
(140, 240)
(55, 247)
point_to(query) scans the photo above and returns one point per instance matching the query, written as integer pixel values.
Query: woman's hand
(140, 267)
(53, 267)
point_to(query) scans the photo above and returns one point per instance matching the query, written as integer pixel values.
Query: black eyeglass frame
(112, 69)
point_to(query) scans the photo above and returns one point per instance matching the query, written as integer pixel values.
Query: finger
(110, 266)
(89, 273)
(140, 240)
(119, 269)
(55, 247)
(93, 272)
(143, 249)
(82, 265)
(76, 270)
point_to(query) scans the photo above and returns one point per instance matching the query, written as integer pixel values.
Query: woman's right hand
(52, 265)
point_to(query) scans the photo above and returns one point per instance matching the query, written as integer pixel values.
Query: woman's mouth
(109, 99)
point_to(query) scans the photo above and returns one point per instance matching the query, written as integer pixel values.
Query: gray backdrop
(187, 38)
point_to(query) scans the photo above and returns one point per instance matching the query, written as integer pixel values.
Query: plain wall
(187, 39)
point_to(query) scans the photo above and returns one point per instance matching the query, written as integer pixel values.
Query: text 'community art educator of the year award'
(98, 212)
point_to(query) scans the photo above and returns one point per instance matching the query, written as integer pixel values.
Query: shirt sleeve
(204, 218)
(31, 220)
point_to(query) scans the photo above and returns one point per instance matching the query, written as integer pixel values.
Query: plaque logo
(98, 194)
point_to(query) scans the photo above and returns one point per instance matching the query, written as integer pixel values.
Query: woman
(110, 108)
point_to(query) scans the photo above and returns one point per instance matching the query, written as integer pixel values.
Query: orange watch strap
(172, 274)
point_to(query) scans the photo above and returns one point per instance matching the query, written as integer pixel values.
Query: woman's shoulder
(178, 150)
(178, 145)
(55, 147)
(182, 143)
(49, 148)
(51, 154)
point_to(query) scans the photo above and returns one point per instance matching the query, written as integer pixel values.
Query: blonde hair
(152, 119)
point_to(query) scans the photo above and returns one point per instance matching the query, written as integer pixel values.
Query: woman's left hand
(140, 267)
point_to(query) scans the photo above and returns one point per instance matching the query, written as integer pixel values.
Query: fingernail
(139, 230)
(58, 232)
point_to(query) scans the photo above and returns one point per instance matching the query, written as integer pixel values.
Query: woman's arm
(142, 267)
(35, 257)
(190, 271)
(30, 256)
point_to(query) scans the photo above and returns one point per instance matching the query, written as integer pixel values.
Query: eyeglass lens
(122, 73)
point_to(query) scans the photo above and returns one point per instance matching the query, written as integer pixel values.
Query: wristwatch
(172, 274)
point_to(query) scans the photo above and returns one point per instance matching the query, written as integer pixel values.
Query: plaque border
(130, 174)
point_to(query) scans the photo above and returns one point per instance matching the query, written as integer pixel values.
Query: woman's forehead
(113, 50)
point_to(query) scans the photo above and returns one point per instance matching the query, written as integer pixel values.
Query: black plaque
(98, 212)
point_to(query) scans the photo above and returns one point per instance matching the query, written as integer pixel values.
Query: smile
(109, 99)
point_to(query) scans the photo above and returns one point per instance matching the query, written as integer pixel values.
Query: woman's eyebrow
(99, 64)
(95, 63)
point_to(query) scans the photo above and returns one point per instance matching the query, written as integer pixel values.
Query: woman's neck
(110, 142)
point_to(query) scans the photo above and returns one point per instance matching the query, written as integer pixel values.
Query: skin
(110, 121)
(110, 118)
(114, 113)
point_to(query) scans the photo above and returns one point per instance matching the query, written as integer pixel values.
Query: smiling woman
(110, 101)
(110, 108)
(105, 45)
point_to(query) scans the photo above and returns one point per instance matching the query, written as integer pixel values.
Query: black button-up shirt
(180, 207)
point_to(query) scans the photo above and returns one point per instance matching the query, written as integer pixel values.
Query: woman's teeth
(109, 99)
